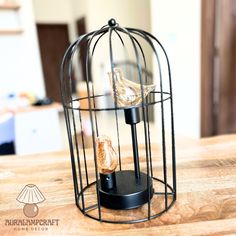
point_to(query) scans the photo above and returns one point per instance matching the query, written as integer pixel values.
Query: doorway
(53, 42)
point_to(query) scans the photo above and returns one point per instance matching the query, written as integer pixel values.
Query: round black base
(129, 192)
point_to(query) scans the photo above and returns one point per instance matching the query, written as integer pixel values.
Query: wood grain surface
(206, 199)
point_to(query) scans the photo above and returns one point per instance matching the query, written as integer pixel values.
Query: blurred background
(199, 37)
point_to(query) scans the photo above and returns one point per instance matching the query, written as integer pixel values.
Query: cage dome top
(128, 49)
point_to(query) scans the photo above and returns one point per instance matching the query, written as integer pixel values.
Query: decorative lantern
(115, 180)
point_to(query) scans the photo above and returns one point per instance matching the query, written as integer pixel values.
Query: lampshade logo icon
(30, 196)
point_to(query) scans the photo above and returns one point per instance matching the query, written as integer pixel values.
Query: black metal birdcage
(128, 172)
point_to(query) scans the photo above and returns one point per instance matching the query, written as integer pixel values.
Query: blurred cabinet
(37, 131)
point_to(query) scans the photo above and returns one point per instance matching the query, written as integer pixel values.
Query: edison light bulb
(127, 92)
(106, 155)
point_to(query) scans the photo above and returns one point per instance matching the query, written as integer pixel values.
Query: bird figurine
(128, 93)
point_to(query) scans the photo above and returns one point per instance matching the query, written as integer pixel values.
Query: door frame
(208, 119)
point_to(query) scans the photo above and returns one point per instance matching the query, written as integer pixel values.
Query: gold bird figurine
(128, 93)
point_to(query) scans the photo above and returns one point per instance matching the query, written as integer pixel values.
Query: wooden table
(206, 203)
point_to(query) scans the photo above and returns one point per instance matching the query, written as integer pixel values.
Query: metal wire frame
(69, 111)
(146, 104)
(86, 212)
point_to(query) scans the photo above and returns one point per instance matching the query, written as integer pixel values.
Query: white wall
(20, 62)
(52, 11)
(133, 13)
(79, 8)
(177, 25)
(55, 12)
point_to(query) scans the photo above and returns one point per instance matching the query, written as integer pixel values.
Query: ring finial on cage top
(112, 22)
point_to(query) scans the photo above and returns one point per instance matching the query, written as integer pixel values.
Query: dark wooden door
(218, 67)
(53, 42)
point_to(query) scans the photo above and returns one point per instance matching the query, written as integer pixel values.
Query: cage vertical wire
(138, 191)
